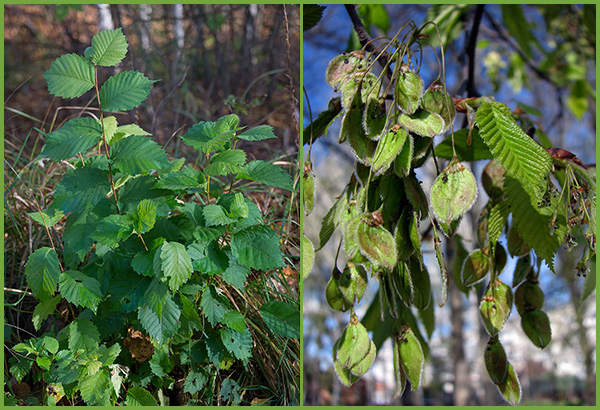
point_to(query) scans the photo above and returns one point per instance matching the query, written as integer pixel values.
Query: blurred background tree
(539, 58)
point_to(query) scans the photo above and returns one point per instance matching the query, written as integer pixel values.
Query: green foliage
(312, 14)
(520, 156)
(151, 248)
(384, 211)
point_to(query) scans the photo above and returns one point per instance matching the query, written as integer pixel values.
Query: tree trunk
(105, 21)
(461, 395)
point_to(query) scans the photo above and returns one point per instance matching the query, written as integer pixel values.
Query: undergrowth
(132, 277)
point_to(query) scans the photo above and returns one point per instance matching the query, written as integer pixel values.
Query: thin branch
(365, 38)
(110, 171)
(470, 52)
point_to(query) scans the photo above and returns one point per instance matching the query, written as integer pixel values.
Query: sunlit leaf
(70, 76)
(108, 47)
(124, 91)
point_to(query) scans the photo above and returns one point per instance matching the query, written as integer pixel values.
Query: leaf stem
(110, 171)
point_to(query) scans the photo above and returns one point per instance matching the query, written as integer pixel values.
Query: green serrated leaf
(108, 48)
(74, 137)
(110, 127)
(131, 129)
(80, 188)
(78, 234)
(261, 132)
(257, 247)
(70, 76)
(213, 260)
(176, 264)
(227, 123)
(185, 178)
(47, 218)
(19, 369)
(190, 319)
(234, 320)
(215, 350)
(238, 208)
(83, 334)
(226, 162)
(282, 318)
(236, 274)
(138, 396)
(80, 289)
(311, 14)
(521, 157)
(533, 223)
(215, 215)
(111, 230)
(194, 382)
(128, 290)
(44, 309)
(230, 392)
(124, 91)
(266, 173)
(160, 363)
(138, 155)
(157, 293)
(218, 143)
(213, 306)
(94, 389)
(200, 134)
(238, 343)
(144, 216)
(164, 327)
(42, 271)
